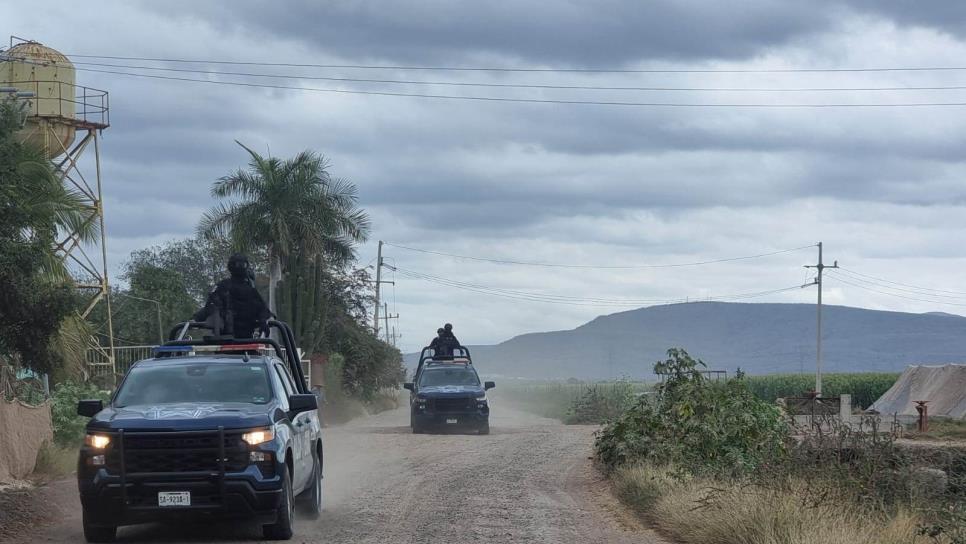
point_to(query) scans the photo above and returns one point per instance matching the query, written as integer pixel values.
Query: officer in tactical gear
(437, 344)
(235, 307)
(448, 333)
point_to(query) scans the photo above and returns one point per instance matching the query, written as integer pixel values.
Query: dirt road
(528, 481)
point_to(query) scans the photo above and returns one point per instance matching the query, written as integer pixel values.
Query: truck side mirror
(489, 385)
(90, 407)
(302, 403)
(410, 386)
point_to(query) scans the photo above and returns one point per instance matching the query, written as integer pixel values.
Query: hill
(758, 338)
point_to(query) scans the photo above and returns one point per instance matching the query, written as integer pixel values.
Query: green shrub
(708, 427)
(68, 426)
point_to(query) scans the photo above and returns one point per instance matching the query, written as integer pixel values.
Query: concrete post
(845, 408)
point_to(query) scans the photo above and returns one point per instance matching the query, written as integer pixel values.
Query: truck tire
(310, 500)
(485, 429)
(285, 514)
(98, 533)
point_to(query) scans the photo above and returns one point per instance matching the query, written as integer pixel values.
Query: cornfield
(865, 387)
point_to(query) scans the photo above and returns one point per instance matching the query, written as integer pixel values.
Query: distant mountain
(758, 338)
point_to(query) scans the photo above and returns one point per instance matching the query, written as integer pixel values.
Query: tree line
(299, 225)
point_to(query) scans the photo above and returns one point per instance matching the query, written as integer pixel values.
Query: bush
(709, 427)
(68, 426)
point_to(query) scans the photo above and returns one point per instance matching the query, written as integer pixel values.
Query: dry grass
(708, 512)
(55, 462)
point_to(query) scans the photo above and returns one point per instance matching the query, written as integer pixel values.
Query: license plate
(174, 498)
(451, 421)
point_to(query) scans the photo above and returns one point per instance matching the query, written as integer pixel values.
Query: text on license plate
(451, 421)
(174, 498)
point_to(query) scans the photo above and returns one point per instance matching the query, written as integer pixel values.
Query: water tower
(65, 120)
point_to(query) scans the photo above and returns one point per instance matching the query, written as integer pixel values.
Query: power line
(599, 267)
(538, 100)
(561, 70)
(860, 286)
(578, 301)
(527, 85)
(912, 288)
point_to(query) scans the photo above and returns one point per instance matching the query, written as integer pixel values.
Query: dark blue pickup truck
(447, 394)
(206, 429)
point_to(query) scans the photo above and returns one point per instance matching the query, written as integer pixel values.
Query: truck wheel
(485, 429)
(310, 501)
(98, 533)
(282, 528)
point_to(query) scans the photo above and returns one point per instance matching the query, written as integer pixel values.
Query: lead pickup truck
(207, 429)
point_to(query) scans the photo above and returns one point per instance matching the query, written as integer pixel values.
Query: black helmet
(238, 266)
(448, 327)
(440, 331)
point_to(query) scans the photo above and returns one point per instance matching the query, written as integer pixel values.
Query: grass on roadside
(940, 429)
(55, 461)
(696, 510)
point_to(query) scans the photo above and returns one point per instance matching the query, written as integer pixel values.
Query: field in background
(558, 400)
(865, 387)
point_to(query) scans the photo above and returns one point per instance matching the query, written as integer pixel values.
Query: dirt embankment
(529, 481)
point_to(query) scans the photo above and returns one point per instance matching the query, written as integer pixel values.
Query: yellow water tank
(36, 68)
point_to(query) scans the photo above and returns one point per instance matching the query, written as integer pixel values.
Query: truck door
(301, 434)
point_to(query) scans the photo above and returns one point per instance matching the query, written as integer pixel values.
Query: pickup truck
(204, 430)
(447, 394)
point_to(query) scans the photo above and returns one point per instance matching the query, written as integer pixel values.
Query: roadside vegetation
(573, 402)
(710, 461)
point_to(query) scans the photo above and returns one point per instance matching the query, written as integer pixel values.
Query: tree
(37, 295)
(150, 282)
(288, 207)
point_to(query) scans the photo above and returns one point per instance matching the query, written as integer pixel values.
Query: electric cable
(528, 85)
(599, 267)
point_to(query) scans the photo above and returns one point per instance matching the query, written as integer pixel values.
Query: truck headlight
(97, 441)
(260, 436)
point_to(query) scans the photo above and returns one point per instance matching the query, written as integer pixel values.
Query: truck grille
(455, 405)
(176, 452)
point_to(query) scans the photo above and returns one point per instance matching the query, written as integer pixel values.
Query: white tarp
(944, 386)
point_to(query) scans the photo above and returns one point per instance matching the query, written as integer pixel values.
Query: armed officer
(235, 307)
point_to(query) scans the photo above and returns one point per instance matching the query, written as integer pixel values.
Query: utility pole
(375, 311)
(818, 347)
(387, 317)
(379, 281)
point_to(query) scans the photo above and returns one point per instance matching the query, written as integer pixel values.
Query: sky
(581, 185)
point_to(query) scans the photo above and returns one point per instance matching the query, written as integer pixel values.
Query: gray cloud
(556, 183)
(610, 32)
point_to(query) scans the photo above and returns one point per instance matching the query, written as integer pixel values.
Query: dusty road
(529, 481)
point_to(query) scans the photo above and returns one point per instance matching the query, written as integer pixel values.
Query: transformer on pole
(65, 121)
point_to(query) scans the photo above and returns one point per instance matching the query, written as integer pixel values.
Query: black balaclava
(238, 267)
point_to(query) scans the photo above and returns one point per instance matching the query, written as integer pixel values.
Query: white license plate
(174, 498)
(451, 421)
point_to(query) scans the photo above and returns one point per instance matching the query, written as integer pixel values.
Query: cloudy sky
(562, 183)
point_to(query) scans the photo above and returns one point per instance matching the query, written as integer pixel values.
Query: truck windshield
(204, 382)
(432, 377)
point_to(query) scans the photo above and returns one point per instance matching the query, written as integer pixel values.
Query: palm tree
(289, 207)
